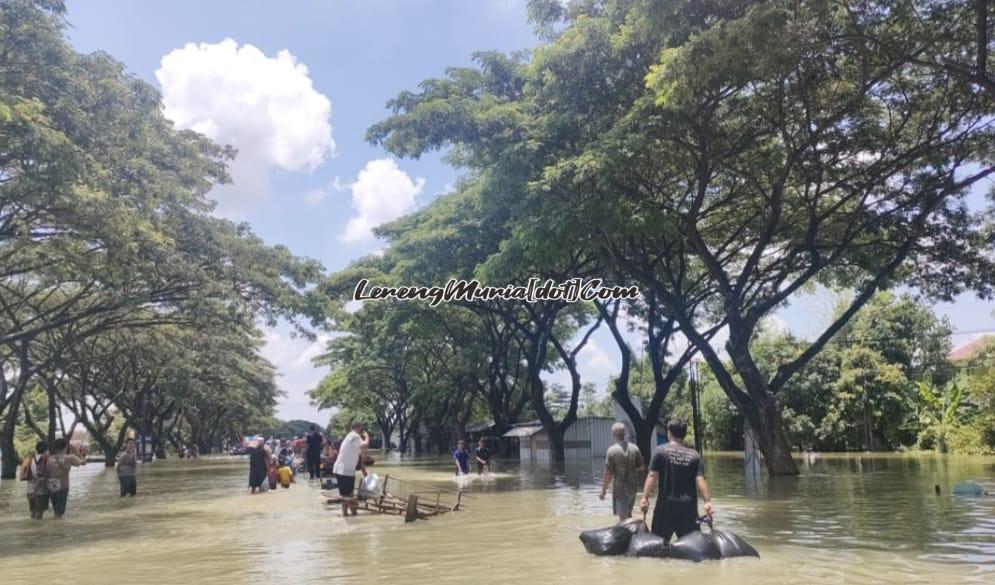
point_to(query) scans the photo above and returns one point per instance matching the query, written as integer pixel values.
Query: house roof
(479, 426)
(970, 350)
(523, 431)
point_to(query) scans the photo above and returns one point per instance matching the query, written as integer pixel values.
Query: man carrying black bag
(678, 470)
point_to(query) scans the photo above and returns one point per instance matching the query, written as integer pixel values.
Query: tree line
(723, 156)
(123, 301)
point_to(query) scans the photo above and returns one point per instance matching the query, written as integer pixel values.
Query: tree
(104, 219)
(726, 156)
(939, 411)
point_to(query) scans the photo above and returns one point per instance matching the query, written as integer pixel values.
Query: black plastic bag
(647, 544)
(634, 525)
(607, 541)
(730, 545)
(696, 546)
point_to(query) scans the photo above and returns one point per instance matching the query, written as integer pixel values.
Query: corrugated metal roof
(479, 426)
(526, 431)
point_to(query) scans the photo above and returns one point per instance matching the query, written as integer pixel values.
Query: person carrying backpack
(57, 475)
(34, 471)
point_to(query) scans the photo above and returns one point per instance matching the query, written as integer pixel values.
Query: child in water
(272, 471)
(286, 475)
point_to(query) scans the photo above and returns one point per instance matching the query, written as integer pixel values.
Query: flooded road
(847, 519)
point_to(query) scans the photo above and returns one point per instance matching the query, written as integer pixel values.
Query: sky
(294, 86)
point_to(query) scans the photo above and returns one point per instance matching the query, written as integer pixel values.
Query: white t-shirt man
(349, 453)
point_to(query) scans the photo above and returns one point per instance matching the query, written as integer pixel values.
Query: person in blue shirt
(462, 457)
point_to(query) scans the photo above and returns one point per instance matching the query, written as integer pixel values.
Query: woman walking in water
(57, 475)
(257, 466)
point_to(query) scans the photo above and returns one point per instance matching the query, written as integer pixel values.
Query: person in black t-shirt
(483, 456)
(312, 456)
(678, 470)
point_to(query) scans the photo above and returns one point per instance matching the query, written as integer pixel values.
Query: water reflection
(857, 518)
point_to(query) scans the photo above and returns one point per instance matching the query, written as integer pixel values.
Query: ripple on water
(857, 519)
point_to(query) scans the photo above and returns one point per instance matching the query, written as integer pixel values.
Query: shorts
(675, 517)
(622, 504)
(347, 484)
(59, 500)
(482, 466)
(129, 485)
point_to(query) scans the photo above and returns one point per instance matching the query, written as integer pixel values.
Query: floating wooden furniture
(402, 498)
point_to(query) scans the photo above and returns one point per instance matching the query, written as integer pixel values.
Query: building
(589, 437)
(971, 350)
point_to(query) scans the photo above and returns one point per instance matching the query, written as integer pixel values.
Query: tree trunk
(9, 454)
(768, 427)
(10, 463)
(52, 412)
(549, 424)
(758, 403)
(557, 451)
(110, 453)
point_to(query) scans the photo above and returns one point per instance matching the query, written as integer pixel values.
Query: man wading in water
(678, 469)
(350, 459)
(462, 458)
(623, 462)
(312, 457)
(127, 466)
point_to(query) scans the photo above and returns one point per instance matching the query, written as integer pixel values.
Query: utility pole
(695, 404)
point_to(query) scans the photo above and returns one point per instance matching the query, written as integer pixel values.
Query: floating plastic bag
(607, 541)
(371, 487)
(634, 525)
(730, 545)
(969, 488)
(647, 544)
(695, 546)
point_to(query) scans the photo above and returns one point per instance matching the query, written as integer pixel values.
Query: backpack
(41, 466)
(34, 467)
(26, 474)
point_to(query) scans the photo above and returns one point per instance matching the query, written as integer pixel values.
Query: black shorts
(675, 517)
(347, 484)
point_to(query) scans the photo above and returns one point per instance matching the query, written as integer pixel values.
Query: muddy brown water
(847, 519)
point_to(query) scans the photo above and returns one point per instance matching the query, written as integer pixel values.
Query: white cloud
(382, 192)
(594, 362)
(316, 196)
(266, 107)
(296, 374)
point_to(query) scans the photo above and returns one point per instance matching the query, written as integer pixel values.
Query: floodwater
(847, 519)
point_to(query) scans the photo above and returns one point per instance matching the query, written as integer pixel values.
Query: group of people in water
(481, 456)
(274, 463)
(47, 474)
(674, 466)
(271, 465)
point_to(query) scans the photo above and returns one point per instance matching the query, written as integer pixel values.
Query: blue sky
(294, 86)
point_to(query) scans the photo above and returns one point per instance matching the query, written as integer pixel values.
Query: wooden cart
(404, 498)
